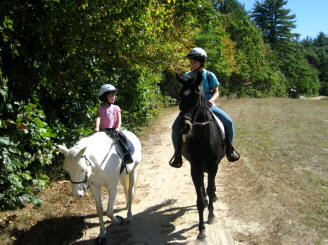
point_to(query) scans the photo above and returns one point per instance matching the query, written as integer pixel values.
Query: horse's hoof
(119, 219)
(129, 219)
(201, 235)
(101, 240)
(211, 220)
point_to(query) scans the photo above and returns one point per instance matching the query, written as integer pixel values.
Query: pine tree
(274, 21)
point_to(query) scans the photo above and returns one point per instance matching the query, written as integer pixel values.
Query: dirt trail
(164, 208)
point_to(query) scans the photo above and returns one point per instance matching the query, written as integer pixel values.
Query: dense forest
(55, 54)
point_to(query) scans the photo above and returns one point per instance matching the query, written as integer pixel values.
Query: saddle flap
(220, 125)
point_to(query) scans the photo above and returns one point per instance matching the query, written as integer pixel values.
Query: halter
(89, 163)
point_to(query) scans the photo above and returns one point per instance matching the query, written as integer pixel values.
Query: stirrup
(175, 162)
(233, 156)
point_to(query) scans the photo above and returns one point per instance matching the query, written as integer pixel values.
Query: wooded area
(55, 54)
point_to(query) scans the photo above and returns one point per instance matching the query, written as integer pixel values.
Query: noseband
(89, 163)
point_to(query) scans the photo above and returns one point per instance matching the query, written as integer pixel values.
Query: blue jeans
(224, 118)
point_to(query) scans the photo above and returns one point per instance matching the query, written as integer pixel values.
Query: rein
(202, 124)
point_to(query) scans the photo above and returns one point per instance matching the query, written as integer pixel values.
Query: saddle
(122, 145)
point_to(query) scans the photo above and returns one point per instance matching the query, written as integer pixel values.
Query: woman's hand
(209, 103)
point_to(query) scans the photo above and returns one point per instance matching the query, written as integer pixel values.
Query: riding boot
(127, 158)
(231, 154)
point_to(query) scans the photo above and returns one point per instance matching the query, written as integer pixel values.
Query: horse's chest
(199, 146)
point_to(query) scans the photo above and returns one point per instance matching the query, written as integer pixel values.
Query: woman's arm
(215, 96)
(215, 91)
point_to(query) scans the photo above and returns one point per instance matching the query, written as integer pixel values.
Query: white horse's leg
(110, 207)
(97, 196)
(124, 182)
(132, 180)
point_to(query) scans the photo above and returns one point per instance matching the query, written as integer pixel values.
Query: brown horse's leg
(198, 179)
(211, 194)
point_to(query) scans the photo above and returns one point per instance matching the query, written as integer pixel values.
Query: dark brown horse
(201, 143)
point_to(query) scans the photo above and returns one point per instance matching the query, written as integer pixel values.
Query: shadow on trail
(152, 226)
(61, 230)
(66, 230)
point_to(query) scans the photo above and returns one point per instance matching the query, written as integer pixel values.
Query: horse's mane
(202, 108)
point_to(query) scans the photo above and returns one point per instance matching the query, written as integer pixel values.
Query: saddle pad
(220, 124)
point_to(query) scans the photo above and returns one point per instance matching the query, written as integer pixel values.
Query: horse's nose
(80, 194)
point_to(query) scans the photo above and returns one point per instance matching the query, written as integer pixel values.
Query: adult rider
(197, 57)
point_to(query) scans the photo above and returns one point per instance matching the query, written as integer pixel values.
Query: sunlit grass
(283, 176)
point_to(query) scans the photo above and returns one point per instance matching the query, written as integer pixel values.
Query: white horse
(95, 161)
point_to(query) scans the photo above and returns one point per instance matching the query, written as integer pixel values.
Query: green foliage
(316, 53)
(299, 73)
(274, 21)
(26, 152)
(276, 24)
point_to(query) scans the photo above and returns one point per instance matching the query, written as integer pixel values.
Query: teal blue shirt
(207, 85)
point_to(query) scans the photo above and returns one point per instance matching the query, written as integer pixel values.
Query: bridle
(195, 112)
(90, 164)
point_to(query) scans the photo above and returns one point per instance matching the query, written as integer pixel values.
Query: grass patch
(281, 181)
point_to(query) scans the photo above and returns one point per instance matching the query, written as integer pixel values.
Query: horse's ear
(81, 152)
(63, 149)
(180, 79)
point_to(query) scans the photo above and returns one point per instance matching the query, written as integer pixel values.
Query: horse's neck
(203, 113)
(98, 147)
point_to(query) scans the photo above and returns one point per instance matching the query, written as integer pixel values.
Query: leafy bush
(27, 149)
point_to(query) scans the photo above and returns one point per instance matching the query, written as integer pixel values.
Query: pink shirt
(108, 116)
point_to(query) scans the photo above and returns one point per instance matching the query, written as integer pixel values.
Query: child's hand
(96, 130)
(117, 130)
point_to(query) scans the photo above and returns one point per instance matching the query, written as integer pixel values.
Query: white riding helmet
(106, 88)
(197, 53)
